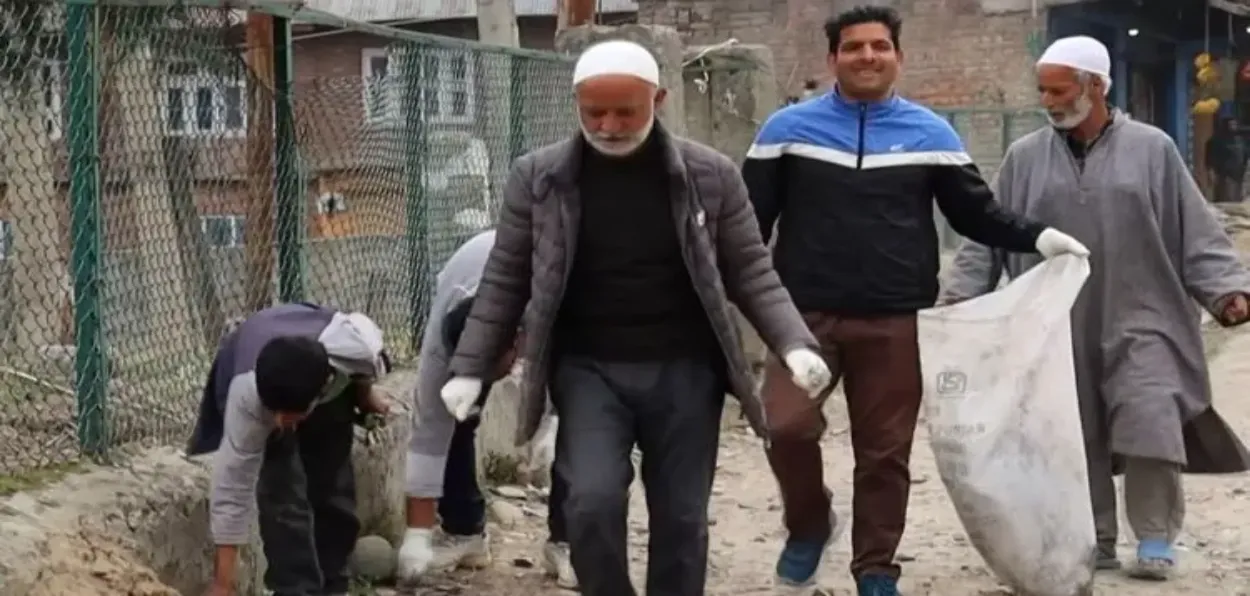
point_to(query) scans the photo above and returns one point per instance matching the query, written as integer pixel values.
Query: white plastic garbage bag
(1005, 427)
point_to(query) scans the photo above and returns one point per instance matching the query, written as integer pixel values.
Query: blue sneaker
(799, 561)
(1156, 561)
(877, 585)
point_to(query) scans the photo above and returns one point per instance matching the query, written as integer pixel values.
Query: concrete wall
(664, 44)
(143, 529)
(729, 92)
(959, 52)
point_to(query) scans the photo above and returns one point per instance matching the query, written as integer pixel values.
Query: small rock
(373, 559)
(505, 514)
(511, 492)
(522, 563)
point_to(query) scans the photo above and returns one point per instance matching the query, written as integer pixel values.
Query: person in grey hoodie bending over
(279, 407)
(442, 461)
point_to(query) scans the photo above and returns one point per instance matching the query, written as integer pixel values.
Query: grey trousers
(672, 411)
(306, 500)
(1154, 499)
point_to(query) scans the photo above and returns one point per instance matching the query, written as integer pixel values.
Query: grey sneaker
(463, 552)
(558, 565)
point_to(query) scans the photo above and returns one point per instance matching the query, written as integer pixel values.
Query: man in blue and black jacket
(851, 178)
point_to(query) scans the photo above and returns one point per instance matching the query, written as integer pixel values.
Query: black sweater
(629, 297)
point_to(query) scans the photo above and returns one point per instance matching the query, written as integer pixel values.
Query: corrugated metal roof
(408, 10)
(1237, 7)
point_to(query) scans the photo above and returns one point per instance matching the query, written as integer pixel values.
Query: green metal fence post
(416, 207)
(1008, 137)
(290, 192)
(90, 366)
(516, 107)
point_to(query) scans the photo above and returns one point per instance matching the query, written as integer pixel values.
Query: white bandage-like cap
(617, 57)
(1082, 53)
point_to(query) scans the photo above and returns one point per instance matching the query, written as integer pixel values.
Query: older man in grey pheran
(1122, 188)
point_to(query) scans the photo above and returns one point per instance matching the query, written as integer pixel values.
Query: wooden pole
(574, 13)
(258, 233)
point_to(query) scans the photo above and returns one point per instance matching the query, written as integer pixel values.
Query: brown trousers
(879, 360)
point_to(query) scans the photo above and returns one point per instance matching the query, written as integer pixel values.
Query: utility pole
(258, 231)
(496, 23)
(574, 13)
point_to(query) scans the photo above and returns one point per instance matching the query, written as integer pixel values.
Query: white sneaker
(558, 565)
(415, 555)
(466, 552)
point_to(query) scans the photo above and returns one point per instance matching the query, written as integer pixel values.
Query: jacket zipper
(863, 119)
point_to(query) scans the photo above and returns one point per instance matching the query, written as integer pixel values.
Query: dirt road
(935, 554)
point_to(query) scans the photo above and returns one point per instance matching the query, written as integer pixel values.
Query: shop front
(1182, 65)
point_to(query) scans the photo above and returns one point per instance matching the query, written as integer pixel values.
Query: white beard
(1080, 112)
(618, 148)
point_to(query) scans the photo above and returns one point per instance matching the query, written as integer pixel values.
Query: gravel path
(936, 556)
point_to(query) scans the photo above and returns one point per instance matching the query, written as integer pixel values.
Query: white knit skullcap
(1082, 53)
(617, 57)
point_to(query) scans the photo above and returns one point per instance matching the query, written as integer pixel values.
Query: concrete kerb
(142, 529)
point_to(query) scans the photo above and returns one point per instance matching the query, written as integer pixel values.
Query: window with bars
(199, 103)
(447, 86)
(52, 98)
(6, 239)
(223, 231)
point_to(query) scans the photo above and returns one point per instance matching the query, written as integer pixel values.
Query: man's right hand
(460, 396)
(225, 560)
(220, 590)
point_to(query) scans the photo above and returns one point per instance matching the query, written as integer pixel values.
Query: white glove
(1052, 243)
(460, 396)
(809, 371)
(416, 554)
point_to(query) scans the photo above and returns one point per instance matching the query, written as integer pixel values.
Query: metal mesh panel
(158, 184)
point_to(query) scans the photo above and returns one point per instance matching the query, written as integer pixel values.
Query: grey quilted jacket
(529, 267)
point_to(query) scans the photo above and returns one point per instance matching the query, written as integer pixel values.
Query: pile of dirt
(87, 565)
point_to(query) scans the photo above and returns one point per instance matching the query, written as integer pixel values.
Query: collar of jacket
(874, 108)
(1116, 118)
(570, 158)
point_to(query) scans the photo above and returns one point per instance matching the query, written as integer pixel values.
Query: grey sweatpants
(1154, 499)
(672, 411)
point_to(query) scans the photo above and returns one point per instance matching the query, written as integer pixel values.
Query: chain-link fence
(163, 176)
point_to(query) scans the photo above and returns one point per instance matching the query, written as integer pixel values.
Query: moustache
(614, 138)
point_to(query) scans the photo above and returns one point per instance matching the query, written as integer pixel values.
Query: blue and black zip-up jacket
(853, 185)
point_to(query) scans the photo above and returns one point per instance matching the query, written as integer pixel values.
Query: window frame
(189, 86)
(446, 91)
(6, 239)
(237, 223)
(52, 96)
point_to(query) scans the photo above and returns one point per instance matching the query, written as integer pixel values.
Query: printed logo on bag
(951, 383)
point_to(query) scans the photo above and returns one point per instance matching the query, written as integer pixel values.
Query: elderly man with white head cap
(621, 247)
(1122, 188)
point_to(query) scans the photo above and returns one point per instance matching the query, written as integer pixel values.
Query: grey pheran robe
(1155, 249)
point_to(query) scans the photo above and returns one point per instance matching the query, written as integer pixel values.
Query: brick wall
(956, 54)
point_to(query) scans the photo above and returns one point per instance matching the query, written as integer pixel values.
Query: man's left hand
(376, 403)
(1234, 309)
(1052, 243)
(809, 370)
